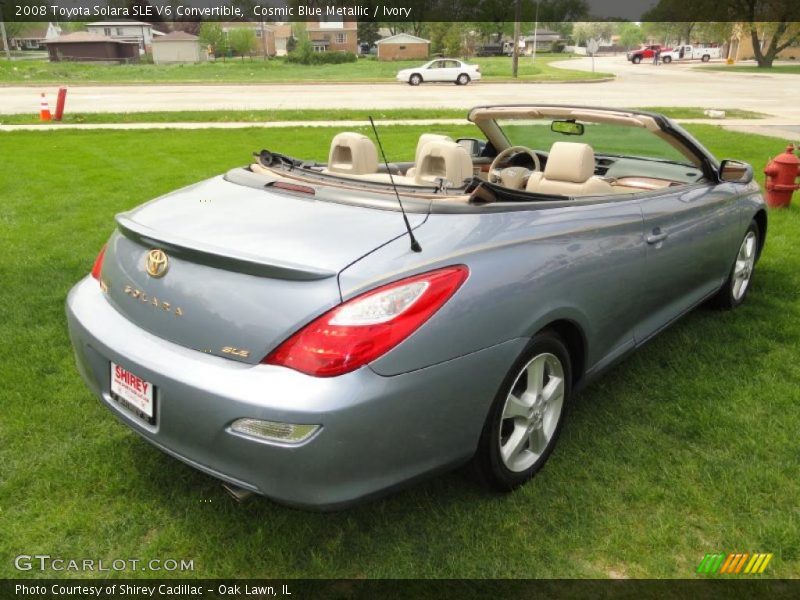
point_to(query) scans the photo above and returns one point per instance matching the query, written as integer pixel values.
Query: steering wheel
(511, 176)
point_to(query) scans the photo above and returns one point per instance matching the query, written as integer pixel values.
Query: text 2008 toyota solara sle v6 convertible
(284, 328)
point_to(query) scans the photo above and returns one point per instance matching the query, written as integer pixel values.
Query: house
(281, 32)
(544, 39)
(126, 31)
(178, 47)
(84, 46)
(33, 38)
(333, 35)
(403, 46)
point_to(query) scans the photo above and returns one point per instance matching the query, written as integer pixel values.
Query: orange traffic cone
(44, 110)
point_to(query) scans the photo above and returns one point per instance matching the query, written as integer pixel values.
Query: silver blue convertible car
(321, 333)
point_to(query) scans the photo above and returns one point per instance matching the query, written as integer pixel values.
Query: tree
(772, 24)
(598, 30)
(770, 38)
(211, 34)
(368, 32)
(453, 44)
(242, 41)
(630, 35)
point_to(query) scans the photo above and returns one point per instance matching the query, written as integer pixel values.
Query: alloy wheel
(531, 412)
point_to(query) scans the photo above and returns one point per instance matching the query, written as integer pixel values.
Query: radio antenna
(414, 243)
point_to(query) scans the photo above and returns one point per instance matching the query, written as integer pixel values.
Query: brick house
(333, 36)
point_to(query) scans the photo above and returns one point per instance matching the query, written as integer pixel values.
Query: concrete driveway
(636, 85)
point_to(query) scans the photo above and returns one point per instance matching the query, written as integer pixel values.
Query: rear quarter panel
(528, 268)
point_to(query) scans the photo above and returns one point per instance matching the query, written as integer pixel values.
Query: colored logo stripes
(735, 563)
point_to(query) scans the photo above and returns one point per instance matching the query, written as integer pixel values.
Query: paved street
(636, 85)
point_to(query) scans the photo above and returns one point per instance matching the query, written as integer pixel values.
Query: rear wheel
(636, 60)
(462, 79)
(735, 289)
(667, 59)
(415, 79)
(526, 415)
(706, 58)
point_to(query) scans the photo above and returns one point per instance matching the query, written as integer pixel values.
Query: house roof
(403, 38)
(32, 33)
(176, 36)
(543, 35)
(118, 24)
(81, 37)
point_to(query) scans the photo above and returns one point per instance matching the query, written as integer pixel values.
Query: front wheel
(527, 414)
(735, 289)
(636, 60)
(415, 79)
(462, 79)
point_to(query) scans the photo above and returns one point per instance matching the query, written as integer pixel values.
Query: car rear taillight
(98, 263)
(367, 326)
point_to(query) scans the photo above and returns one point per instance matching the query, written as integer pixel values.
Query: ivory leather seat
(569, 172)
(352, 154)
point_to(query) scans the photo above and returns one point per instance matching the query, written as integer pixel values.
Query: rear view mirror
(472, 145)
(735, 171)
(567, 127)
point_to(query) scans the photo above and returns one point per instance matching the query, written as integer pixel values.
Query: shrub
(304, 55)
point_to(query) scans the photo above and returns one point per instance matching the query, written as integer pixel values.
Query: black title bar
(396, 11)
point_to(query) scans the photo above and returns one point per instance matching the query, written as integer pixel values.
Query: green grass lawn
(779, 69)
(688, 447)
(310, 115)
(269, 71)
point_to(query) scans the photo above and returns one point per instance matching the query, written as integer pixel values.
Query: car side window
(436, 65)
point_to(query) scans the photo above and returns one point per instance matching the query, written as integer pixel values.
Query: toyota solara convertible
(324, 332)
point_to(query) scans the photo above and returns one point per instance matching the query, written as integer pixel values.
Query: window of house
(319, 47)
(119, 30)
(106, 30)
(341, 38)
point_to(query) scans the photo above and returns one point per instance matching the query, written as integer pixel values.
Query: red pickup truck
(637, 56)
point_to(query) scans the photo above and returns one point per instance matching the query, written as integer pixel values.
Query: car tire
(667, 60)
(415, 79)
(524, 413)
(705, 58)
(462, 79)
(636, 60)
(734, 291)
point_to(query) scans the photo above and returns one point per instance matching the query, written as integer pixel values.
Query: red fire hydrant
(781, 173)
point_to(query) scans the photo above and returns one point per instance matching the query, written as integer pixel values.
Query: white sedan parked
(441, 69)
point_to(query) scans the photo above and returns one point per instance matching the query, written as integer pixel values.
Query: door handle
(656, 236)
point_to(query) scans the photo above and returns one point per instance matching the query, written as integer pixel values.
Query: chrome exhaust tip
(237, 493)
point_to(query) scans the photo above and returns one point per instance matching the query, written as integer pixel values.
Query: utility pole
(3, 33)
(535, 31)
(515, 54)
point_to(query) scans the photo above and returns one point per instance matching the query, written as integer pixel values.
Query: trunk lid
(245, 267)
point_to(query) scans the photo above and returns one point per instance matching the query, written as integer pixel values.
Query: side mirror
(735, 171)
(473, 146)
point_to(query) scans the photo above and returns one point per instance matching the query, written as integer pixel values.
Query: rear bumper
(377, 432)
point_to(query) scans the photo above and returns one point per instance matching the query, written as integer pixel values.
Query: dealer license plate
(133, 393)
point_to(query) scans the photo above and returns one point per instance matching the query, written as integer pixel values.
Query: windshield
(605, 139)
